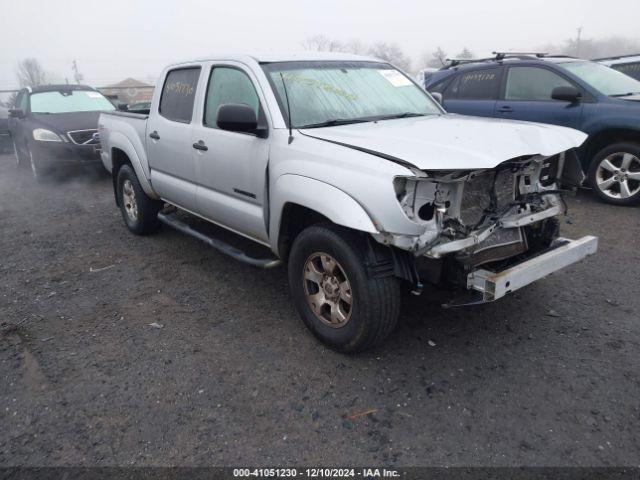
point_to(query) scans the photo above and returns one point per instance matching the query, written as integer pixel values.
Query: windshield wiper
(624, 94)
(335, 122)
(402, 115)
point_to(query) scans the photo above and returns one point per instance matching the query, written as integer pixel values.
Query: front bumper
(495, 285)
(65, 153)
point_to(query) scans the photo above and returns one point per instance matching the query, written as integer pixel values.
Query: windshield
(69, 101)
(335, 93)
(604, 79)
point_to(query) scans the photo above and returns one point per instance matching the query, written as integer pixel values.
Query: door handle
(505, 109)
(200, 146)
(154, 135)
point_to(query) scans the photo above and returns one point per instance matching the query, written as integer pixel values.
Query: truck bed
(133, 126)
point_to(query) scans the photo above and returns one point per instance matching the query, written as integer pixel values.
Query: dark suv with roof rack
(53, 126)
(580, 94)
(627, 64)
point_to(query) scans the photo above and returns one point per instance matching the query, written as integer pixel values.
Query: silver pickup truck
(346, 170)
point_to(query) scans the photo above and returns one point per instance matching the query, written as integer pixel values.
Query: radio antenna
(286, 96)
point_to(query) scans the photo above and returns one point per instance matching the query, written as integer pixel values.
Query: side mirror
(238, 117)
(437, 96)
(566, 94)
(123, 107)
(16, 113)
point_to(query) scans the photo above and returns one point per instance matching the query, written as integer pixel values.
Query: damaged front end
(492, 218)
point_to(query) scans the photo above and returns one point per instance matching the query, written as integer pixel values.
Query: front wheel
(614, 174)
(139, 211)
(338, 300)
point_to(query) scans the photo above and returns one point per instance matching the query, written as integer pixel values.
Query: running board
(223, 247)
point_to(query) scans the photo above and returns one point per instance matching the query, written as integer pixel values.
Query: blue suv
(560, 90)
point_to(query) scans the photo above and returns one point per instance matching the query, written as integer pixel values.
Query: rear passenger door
(474, 92)
(527, 96)
(169, 149)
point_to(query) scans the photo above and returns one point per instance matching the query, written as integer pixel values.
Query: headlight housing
(44, 135)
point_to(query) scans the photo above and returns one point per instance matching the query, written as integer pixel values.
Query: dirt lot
(548, 376)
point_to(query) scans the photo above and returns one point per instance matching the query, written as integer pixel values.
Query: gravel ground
(547, 376)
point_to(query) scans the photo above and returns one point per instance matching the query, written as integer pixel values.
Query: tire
(365, 314)
(139, 212)
(614, 174)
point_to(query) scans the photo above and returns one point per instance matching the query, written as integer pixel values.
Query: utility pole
(77, 76)
(578, 40)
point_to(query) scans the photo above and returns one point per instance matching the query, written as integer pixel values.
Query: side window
(178, 94)
(229, 85)
(532, 83)
(478, 85)
(631, 69)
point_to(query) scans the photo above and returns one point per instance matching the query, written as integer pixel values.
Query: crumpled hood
(67, 122)
(453, 142)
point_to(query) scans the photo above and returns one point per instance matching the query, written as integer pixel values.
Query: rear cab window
(179, 93)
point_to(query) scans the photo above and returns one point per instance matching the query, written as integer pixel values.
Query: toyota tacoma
(351, 175)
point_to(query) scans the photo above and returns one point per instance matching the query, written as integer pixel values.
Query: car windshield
(66, 101)
(338, 93)
(604, 79)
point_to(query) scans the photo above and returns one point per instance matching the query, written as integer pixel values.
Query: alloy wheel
(618, 175)
(129, 200)
(328, 290)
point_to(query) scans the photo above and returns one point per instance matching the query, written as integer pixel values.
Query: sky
(115, 39)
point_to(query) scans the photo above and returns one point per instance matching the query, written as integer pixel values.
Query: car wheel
(614, 174)
(342, 305)
(140, 213)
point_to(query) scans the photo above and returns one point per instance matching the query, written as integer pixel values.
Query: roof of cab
(287, 57)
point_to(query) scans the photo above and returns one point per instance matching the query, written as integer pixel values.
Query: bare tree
(323, 44)
(437, 58)
(392, 53)
(10, 102)
(355, 46)
(465, 54)
(385, 51)
(77, 76)
(30, 73)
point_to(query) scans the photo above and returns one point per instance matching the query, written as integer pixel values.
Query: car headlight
(44, 135)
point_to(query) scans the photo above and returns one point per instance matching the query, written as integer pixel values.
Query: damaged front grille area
(480, 215)
(484, 189)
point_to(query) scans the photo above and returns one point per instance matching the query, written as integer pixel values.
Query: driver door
(231, 166)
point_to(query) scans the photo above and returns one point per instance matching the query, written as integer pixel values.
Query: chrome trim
(94, 130)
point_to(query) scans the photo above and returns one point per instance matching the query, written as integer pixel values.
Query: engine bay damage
(474, 218)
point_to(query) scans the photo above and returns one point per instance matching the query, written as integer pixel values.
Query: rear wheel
(614, 174)
(338, 300)
(139, 211)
